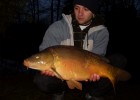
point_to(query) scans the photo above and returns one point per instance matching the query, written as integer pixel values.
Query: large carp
(73, 65)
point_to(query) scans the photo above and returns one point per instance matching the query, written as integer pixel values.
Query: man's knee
(49, 84)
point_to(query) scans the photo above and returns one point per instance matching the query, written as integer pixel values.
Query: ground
(21, 87)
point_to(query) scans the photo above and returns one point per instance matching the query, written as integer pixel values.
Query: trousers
(53, 85)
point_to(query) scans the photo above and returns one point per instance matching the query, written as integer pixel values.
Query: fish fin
(123, 75)
(113, 81)
(57, 74)
(74, 84)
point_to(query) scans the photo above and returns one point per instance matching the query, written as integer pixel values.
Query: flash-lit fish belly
(70, 66)
(80, 62)
(74, 72)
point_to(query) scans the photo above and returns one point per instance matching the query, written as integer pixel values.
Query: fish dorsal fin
(74, 84)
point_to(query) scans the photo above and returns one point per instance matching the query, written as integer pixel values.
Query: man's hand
(94, 78)
(48, 73)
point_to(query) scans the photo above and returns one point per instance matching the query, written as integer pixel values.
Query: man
(84, 29)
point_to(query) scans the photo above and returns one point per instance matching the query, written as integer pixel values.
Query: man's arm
(100, 43)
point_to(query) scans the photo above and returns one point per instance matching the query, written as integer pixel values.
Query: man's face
(82, 14)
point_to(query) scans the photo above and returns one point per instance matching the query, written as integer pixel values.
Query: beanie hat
(92, 5)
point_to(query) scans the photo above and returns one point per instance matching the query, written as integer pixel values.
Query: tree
(10, 13)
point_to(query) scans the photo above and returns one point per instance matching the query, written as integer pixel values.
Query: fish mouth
(26, 63)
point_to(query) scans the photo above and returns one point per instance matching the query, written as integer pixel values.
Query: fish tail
(118, 75)
(113, 81)
(123, 75)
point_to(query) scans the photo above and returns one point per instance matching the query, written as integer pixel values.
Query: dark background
(24, 22)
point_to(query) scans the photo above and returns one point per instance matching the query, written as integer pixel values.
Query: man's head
(92, 5)
(85, 10)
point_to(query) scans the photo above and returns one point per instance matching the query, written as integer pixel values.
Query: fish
(74, 65)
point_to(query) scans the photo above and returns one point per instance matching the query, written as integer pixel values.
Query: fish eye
(37, 57)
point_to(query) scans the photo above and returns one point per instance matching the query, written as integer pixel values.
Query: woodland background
(24, 22)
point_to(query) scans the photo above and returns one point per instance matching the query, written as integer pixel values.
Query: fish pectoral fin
(57, 74)
(74, 84)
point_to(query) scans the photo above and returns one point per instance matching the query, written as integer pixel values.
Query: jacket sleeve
(100, 42)
(51, 37)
